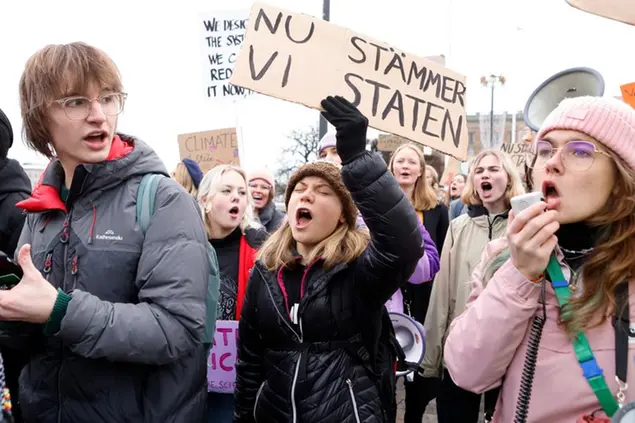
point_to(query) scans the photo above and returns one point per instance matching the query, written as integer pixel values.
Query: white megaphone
(411, 337)
(574, 82)
(626, 414)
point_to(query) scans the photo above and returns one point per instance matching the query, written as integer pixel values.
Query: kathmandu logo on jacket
(109, 235)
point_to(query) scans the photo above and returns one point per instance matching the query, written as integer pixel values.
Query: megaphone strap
(592, 371)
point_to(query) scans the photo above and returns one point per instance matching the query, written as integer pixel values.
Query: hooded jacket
(303, 373)
(130, 345)
(15, 186)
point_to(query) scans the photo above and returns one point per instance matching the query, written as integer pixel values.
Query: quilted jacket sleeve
(172, 278)
(248, 365)
(396, 244)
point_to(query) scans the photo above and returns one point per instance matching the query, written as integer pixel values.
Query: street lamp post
(326, 15)
(491, 81)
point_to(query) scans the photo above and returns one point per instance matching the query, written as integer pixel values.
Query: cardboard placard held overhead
(618, 10)
(303, 59)
(210, 148)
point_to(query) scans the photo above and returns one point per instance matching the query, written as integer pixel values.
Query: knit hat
(263, 174)
(328, 140)
(608, 120)
(331, 174)
(194, 170)
(6, 133)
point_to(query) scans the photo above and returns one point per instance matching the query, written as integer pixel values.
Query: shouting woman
(233, 233)
(492, 182)
(549, 302)
(314, 333)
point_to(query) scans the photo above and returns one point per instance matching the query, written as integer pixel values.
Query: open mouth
(303, 216)
(405, 174)
(96, 136)
(551, 194)
(234, 211)
(486, 187)
(256, 196)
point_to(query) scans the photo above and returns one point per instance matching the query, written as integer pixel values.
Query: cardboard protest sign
(210, 148)
(221, 35)
(517, 152)
(221, 363)
(303, 59)
(628, 94)
(452, 168)
(618, 10)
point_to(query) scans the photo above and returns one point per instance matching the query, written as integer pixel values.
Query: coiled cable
(531, 357)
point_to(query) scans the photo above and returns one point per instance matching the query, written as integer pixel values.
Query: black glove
(350, 125)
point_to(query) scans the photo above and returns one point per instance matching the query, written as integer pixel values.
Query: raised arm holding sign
(283, 56)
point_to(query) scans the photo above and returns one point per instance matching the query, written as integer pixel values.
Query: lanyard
(590, 368)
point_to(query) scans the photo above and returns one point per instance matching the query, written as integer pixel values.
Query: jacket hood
(128, 158)
(13, 179)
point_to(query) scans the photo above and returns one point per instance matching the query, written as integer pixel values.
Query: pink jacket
(486, 347)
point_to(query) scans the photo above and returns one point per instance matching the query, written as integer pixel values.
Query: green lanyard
(590, 368)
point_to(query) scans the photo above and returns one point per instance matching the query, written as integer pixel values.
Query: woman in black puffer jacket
(320, 284)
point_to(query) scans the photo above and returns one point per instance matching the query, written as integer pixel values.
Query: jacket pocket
(262, 386)
(353, 400)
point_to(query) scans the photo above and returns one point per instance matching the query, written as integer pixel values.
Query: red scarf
(246, 261)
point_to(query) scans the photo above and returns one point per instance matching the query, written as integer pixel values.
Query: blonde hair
(344, 245)
(182, 176)
(514, 183)
(209, 187)
(55, 71)
(424, 196)
(435, 177)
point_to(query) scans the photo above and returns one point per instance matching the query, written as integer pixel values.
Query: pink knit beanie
(608, 120)
(263, 174)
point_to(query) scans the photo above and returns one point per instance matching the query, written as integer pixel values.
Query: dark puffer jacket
(270, 217)
(304, 375)
(130, 345)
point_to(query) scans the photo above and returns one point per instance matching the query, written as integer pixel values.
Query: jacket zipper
(355, 410)
(285, 320)
(295, 377)
(262, 386)
(64, 238)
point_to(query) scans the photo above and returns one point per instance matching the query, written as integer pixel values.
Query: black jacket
(15, 186)
(289, 373)
(270, 217)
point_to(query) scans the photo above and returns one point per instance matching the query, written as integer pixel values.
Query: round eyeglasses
(576, 155)
(79, 108)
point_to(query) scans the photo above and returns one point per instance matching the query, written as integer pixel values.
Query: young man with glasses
(117, 317)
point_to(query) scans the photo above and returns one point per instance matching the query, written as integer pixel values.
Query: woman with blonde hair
(315, 337)
(188, 173)
(492, 182)
(235, 236)
(548, 317)
(408, 164)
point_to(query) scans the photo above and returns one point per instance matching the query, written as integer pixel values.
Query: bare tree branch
(302, 148)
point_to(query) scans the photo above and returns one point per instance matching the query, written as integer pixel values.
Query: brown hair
(55, 71)
(344, 245)
(182, 176)
(613, 259)
(514, 184)
(425, 198)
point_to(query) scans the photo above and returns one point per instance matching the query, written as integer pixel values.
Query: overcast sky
(157, 48)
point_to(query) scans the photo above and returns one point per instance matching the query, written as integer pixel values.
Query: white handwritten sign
(222, 34)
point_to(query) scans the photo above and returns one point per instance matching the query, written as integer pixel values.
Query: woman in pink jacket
(584, 164)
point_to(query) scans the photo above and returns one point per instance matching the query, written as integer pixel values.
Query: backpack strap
(145, 199)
